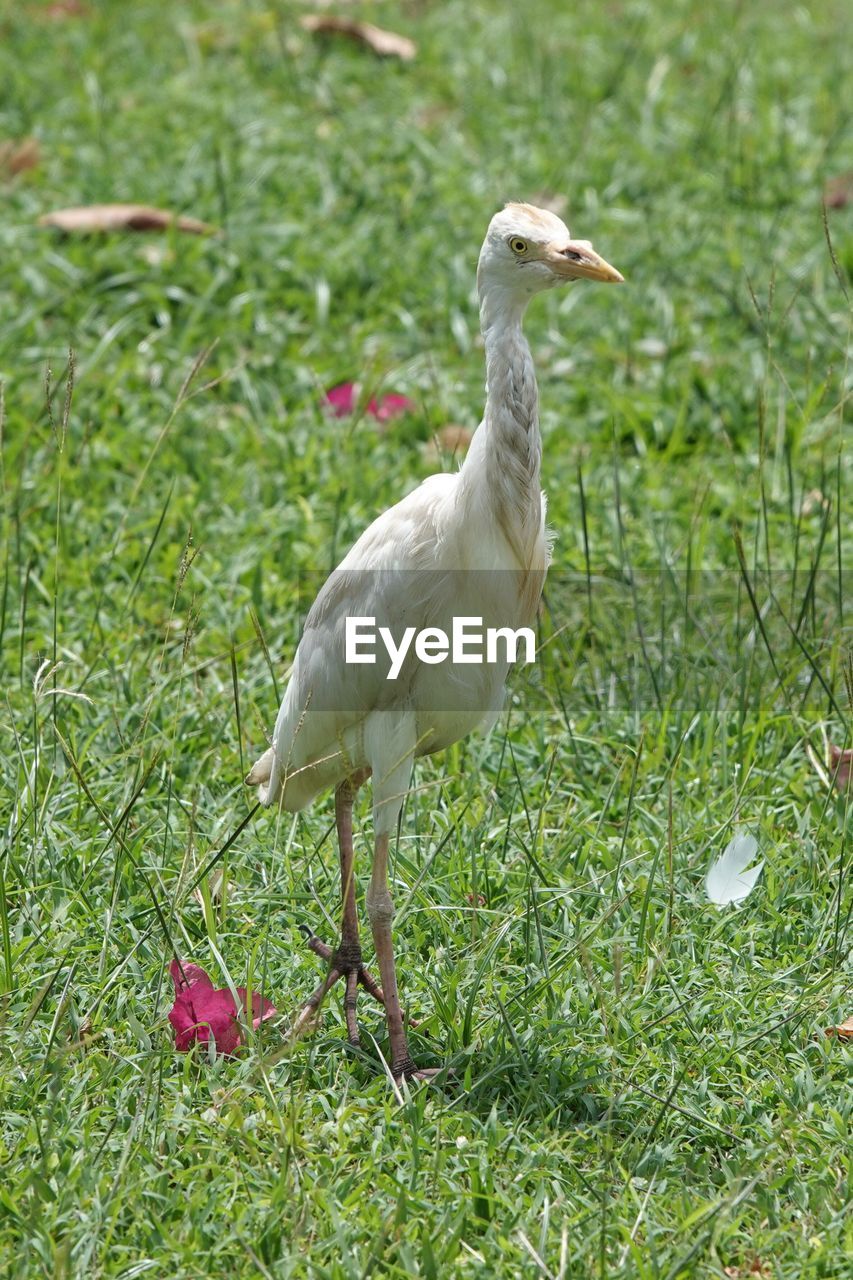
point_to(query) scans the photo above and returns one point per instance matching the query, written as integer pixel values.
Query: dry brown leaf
(838, 191)
(452, 439)
(754, 1268)
(60, 10)
(432, 115)
(843, 1031)
(385, 43)
(555, 201)
(835, 767)
(121, 217)
(840, 765)
(84, 1034)
(814, 500)
(214, 884)
(16, 157)
(817, 764)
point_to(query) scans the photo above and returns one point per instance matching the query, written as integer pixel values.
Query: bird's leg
(380, 908)
(345, 961)
(349, 949)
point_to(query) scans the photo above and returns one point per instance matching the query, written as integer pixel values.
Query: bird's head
(527, 250)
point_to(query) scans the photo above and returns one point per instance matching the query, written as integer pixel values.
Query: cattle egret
(470, 545)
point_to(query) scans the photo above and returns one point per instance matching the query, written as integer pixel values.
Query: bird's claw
(409, 1071)
(345, 962)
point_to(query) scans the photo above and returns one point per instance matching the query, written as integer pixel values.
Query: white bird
(472, 545)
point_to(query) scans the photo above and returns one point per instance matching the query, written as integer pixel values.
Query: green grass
(642, 1084)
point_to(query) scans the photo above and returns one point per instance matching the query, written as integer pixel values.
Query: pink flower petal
(186, 976)
(391, 406)
(183, 1021)
(189, 1024)
(261, 1007)
(341, 399)
(201, 1013)
(218, 1011)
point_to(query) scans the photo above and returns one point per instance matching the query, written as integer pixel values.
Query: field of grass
(642, 1086)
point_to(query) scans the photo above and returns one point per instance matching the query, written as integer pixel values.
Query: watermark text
(468, 642)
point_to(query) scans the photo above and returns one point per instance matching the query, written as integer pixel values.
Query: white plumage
(471, 544)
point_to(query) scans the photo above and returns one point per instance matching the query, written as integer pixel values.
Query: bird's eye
(517, 244)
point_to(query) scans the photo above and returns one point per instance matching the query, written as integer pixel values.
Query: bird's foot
(408, 1070)
(344, 962)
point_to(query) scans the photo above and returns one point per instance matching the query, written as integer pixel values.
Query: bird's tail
(260, 773)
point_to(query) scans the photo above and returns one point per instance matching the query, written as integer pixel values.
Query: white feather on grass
(728, 879)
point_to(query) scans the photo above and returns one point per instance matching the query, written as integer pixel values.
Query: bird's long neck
(506, 453)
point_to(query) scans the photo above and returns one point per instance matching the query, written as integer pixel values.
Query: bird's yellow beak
(577, 260)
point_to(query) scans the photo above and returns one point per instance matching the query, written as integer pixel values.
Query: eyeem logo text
(468, 642)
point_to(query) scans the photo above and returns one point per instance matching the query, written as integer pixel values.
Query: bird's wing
(386, 576)
(410, 534)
